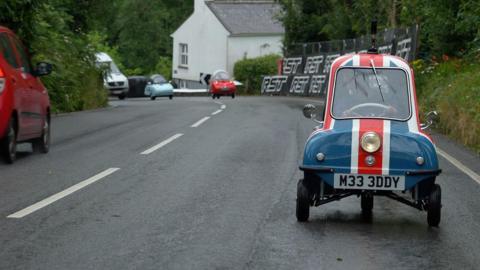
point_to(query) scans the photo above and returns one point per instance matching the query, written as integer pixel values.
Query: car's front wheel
(8, 146)
(170, 97)
(303, 202)
(42, 144)
(233, 95)
(153, 97)
(122, 96)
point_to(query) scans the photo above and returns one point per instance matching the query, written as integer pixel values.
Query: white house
(221, 32)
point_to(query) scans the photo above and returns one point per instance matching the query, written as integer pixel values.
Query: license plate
(225, 89)
(369, 182)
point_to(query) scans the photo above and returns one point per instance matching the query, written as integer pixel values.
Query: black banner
(305, 69)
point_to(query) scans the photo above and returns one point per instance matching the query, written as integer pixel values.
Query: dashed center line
(217, 112)
(459, 165)
(45, 202)
(162, 144)
(201, 121)
(223, 107)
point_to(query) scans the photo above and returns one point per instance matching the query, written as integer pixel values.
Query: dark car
(24, 101)
(137, 85)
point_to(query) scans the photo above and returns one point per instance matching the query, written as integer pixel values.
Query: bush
(453, 89)
(51, 35)
(250, 72)
(75, 83)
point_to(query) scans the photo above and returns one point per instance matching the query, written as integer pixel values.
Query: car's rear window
(369, 93)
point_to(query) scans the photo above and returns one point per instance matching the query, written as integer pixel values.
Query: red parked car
(24, 101)
(221, 84)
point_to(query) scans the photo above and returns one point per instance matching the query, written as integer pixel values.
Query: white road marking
(218, 102)
(223, 107)
(45, 202)
(459, 165)
(162, 144)
(217, 112)
(201, 121)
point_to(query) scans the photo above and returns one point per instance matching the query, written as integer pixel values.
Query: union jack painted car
(370, 142)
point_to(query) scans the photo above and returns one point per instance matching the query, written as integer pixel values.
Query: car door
(17, 83)
(32, 98)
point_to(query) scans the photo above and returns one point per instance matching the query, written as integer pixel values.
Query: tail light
(2, 80)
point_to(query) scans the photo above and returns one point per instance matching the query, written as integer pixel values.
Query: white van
(114, 81)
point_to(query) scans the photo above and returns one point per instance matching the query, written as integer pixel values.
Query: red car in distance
(24, 101)
(221, 84)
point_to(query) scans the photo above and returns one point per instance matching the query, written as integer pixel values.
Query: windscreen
(159, 80)
(114, 68)
(221, 76)
(369, 93)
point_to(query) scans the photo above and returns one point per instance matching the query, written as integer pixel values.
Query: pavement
(196, 183)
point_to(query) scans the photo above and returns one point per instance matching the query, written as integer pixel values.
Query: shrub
(453, 89)
(250, 72)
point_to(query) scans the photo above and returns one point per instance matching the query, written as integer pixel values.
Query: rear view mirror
(430, 119)
(43, 69)
(309, 111)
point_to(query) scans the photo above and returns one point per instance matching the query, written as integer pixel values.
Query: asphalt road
(216, 193)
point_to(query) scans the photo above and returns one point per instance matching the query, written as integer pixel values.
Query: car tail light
(2, 80)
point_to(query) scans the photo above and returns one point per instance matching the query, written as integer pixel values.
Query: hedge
(251, 71)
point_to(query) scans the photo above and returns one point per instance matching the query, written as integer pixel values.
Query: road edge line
(459, 165)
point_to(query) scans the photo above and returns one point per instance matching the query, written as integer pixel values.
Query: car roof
(103, 57)
(364, 60)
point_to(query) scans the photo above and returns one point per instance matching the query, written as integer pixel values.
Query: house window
(183, 54)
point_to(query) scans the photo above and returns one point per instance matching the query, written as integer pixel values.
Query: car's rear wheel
(366, 201)
(213, 96)
(8, 146)
(233, 95)
(170, 97)
(434, 206)
(153, 97)
(303, 202)
(42, 144)
(121, 97)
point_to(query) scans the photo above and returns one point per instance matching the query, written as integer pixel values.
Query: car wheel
(366, 202)
(170, 97)
(213, 97)
(233, 95)
(153, 97)
(9, 144)
(303, 202)
(42, 144)
(121, 97)
(434, 206)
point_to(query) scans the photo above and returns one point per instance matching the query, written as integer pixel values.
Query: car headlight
(371, 142)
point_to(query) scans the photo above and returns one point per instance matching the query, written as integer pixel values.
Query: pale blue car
(158, 87)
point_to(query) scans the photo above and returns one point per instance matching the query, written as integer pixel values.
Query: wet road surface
(216, 190)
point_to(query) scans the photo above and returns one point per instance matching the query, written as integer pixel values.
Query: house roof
(248, 17)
